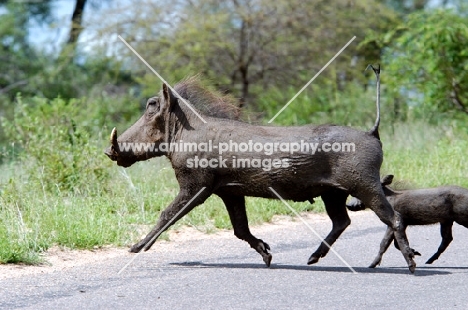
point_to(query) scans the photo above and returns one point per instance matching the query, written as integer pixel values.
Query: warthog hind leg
(446, 232)
(335, 204)
(238, 215)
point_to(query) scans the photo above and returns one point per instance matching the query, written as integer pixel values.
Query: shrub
(57, 152)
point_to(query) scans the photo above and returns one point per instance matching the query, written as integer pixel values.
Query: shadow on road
(420, 272)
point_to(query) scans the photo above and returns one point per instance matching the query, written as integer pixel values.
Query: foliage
(406, 6)
(248, 47)
(39, 11)
(321, 104)
(32, 71)
(31, 221)
(426, 61)
(422, 155)
(18, 59)
(57, 151)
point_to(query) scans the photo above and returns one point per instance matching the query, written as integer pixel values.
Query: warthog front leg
(185, 201)
(399, 232)
(335, 204)
(446, 232)
(415, 253)
(396, 230)
(238, 215)
(384, 244)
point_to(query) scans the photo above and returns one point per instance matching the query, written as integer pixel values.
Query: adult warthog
(235, 159)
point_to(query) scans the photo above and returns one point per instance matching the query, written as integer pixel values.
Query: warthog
(444, 205)
(295, 175)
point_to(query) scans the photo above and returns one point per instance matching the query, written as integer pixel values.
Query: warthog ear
(169, 98)
(386, 180)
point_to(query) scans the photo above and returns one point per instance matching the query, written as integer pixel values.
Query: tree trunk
(68, 51)
(243, 65)
(76, 22)
(245, 87)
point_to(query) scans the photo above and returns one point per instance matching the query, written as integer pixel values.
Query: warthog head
(150, 129)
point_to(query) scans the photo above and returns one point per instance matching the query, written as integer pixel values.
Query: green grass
(120, 211)
(420, 155)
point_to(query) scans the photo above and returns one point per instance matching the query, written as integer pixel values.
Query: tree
(76, 22)
(249, 46)
(15, 52)
(37, 10)
(407, 6)
(427, 60)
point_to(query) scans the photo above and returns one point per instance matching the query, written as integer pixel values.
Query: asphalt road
(222, 272)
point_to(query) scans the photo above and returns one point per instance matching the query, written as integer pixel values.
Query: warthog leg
(384, 244)
(399, 232)
(415, 253)
(446, 232)
(238, 215)
(335, 204)
(171, 215)
(395, 223)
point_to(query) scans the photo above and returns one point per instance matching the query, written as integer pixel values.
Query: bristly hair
(206, 101)
(400, 184)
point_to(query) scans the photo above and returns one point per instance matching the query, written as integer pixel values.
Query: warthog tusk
(113, 139)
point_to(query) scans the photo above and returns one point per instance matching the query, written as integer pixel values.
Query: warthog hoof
(312, 260)
(430, 261)
(375, 263)
(267, 259)
(136, 248)
(263, 249)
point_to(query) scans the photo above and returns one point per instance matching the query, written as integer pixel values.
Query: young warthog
(444, 205)
(297, 163)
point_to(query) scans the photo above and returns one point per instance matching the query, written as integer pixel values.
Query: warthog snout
(124, 159)
(111, 153)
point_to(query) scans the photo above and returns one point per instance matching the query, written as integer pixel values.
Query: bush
(425, 62)
(320, 104)
(57, 151)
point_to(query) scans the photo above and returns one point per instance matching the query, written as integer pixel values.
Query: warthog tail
(375, 130)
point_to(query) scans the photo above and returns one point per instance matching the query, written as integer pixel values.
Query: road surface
(222, 272)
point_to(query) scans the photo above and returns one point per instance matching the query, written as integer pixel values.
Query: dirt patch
(58, 259)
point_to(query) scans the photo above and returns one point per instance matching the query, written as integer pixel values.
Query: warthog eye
(153, 107)
(153, 104)
(152, 101)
